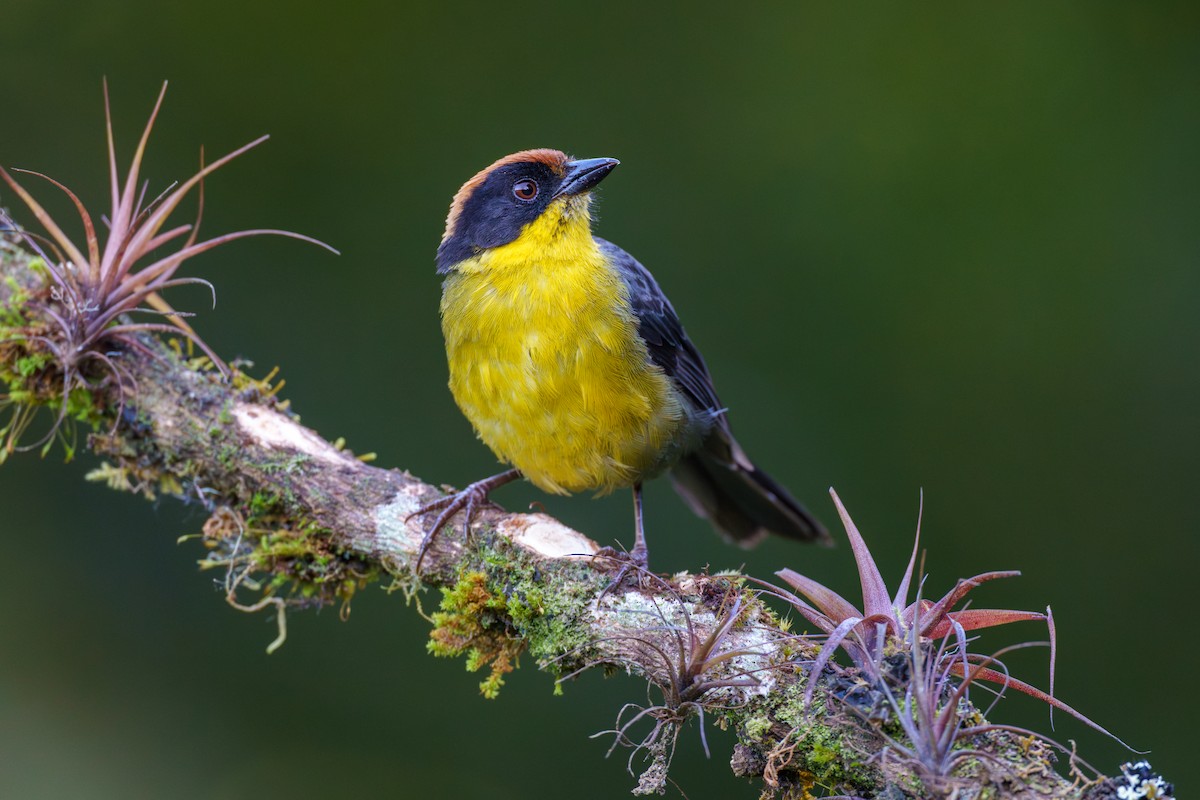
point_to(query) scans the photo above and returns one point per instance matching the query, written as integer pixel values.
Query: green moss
(756, 728)
(286, 466)
(505, 602)
(33, 380)
(812, 750)
(823, 752)
(821, 757)
(283, 556)
(262, 504)
(29, 364)
(12, 312)
(472, 622)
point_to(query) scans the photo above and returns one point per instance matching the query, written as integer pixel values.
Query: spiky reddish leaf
(937, 612)
(973, 619)
(900, 600)
(875, 594)
(139, 238)
(124, 213)
(93, 263)
(72, 252)
(1001, 679)
(829, 602)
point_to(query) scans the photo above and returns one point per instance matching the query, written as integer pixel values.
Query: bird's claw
(469, 501)
(636, 561)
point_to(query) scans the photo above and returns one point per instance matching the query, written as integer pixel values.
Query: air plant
(92, 289)
(929, 710)
(684, 669)
(889, 623)
(929, 697)
(687, 672)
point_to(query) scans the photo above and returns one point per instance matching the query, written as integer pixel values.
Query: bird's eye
(525, 189)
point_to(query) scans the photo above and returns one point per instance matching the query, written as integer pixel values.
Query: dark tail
(742, 502)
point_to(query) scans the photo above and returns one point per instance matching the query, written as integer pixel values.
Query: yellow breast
(546, 363)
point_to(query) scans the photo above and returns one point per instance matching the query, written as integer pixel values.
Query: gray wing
(717, 480)
(659, 326)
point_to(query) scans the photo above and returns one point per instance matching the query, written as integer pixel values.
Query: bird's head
(546, 189)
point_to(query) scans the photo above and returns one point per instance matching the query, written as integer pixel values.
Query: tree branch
(296, 520)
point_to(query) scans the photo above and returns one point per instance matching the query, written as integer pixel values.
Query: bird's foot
(469, 500)
(635, 563)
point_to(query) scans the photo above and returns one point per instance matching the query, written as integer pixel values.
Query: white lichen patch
(760, 648)
(546, 536)
(391, 525)
(272, 429)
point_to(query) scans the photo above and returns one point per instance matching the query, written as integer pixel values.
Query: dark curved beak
(584, 174)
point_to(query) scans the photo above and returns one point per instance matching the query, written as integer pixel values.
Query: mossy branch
(296, 520)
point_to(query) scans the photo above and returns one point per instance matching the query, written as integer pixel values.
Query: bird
(572, 365)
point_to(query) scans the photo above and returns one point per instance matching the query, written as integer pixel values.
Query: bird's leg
(640, 553)
(637, 558)
(468, 500)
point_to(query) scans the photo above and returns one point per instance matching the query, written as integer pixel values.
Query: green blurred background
(941, 246)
